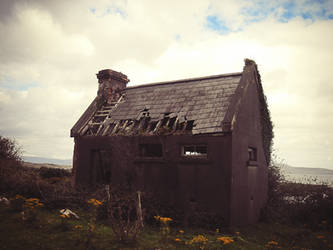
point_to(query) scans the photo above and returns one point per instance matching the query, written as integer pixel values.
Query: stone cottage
(203, 140)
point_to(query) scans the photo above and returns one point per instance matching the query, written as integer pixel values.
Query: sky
(50, 52)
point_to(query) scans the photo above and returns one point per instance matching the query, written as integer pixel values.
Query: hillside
(307, 175)
(313, 171)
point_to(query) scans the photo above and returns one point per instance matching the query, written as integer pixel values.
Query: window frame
(195, 145)
(252, 154)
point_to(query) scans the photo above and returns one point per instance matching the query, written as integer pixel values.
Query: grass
(305, 222)
(48, 232)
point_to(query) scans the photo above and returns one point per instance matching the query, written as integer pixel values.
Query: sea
(310, 178)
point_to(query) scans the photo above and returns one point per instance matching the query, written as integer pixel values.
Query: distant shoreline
(48, 165)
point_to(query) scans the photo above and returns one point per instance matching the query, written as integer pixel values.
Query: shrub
(9, 150)
(298, 203)
(308, 204)
(17, 202)
(275, 198)
(16, 179)
(56, 191)
(153, 205)
(197, 215)
(45, 172)
(123, 212)
(203, 218)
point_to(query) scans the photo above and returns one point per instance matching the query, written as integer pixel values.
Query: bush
(275, 193)
(45, 172)
(16, 179)
(297, 203)
(308, 204)
(9, 150)
(55, 191)
(123, 212)
(153, 206)
(200, 217)
(196, 215)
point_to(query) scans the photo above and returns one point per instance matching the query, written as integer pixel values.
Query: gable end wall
(249, 180)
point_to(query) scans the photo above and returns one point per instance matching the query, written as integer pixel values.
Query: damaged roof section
(144, 126)
(190, 106)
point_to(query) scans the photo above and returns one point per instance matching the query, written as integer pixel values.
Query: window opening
(195, 150)
(151, 150)
(252, 154)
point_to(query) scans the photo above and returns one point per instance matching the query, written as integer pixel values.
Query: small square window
(194, 150)
(252, 154)
(151, 150)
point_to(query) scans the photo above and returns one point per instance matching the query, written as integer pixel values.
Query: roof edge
(185, 80)
(84, 118)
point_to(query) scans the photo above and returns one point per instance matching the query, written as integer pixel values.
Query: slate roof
(203, 100)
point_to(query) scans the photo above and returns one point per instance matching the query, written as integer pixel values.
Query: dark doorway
(100, 166)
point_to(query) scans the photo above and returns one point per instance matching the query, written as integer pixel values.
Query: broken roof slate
(197, 105)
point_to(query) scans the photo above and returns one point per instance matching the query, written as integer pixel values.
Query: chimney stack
(111, 84)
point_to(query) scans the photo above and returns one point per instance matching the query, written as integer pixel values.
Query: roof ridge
(185, 80)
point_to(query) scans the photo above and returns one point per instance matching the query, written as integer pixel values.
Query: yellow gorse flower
(32, 203)
(164, 220)
(272, 243)
(225, 239)
(32, 200)
(95, 202)
(199, 239)
(64, 216)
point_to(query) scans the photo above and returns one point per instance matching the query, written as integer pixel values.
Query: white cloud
(51, 51)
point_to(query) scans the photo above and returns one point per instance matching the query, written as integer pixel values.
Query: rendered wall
(249, 179)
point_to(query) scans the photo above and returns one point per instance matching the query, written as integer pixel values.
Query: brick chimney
(111, 84)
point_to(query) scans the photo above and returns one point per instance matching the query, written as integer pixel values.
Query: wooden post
(139, 211)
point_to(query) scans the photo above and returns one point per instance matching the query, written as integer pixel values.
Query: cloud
(33, 35)
(51, 51)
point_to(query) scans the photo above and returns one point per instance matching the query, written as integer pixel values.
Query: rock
(69, 213)
(5, 201)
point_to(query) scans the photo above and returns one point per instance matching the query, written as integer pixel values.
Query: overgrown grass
(48, 233)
